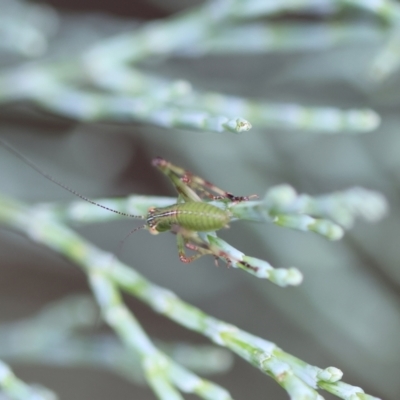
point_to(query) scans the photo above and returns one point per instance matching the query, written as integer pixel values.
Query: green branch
(106, 275)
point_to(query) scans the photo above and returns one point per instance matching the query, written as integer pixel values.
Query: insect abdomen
(199, 217)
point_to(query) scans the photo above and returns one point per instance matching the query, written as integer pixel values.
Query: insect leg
(211, 191)
(182, 242)
(174, 174)
(191, 186)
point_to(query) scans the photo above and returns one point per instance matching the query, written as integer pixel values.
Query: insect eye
(151, 222)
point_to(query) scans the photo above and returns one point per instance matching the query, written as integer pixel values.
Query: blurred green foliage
(93, 98)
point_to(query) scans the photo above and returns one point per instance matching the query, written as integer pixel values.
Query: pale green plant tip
(330, 374)
(327, 228)
(369, 204)
(282, 195)
(362, 120)
(286, 277)
(305, 223)
(237, 125)
(294, 277)
(252, 265)
(344, 207)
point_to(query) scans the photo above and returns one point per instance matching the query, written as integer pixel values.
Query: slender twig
(294, 375)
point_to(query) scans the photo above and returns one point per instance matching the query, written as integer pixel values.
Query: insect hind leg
(205, 188)
(211, 191)
(183, 243)
(184, 179)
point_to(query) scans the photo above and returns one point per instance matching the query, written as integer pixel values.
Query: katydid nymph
(191, 214)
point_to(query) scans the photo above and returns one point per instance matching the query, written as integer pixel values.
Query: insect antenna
(132, 231)
(122, 242)
(50, 178)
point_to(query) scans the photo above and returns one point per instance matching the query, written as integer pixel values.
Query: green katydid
(191, 214)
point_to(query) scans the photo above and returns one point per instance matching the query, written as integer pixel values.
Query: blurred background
(345, 314)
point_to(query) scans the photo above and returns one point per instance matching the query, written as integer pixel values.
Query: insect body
(191, 214)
